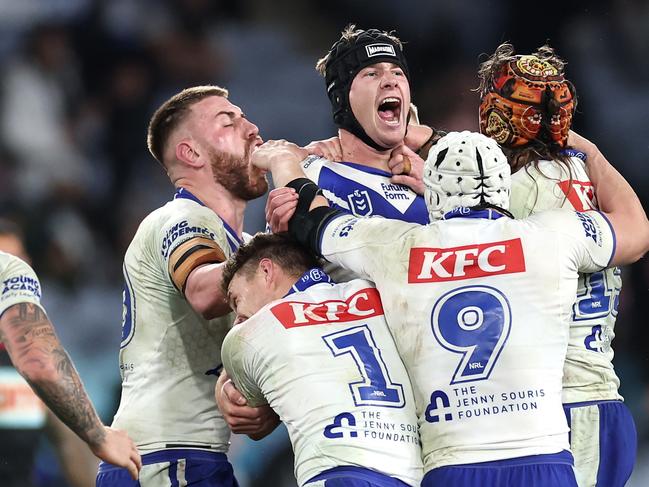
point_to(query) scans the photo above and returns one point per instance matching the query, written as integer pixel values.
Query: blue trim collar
(464, 212)
(310, 278)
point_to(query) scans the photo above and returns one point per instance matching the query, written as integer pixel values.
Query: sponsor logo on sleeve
(591, 227)
(22, 284)
(580, 194)
(467, 262)
(345, 227)
(180, 229)
(379, 50)
(364, 304)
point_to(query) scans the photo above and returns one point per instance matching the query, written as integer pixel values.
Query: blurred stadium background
(80, 79)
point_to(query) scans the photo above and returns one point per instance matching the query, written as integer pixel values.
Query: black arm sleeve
(306, 226)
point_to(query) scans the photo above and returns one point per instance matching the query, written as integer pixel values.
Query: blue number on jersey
(599, 298)
(128, 311)
(376, 388)
(473, 321)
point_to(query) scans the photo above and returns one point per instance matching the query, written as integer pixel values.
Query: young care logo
(467, 262)
(379, 50)
(361, 305)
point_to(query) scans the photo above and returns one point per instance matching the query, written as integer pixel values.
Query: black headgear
(346, 59)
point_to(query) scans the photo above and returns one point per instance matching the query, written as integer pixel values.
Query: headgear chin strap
(346, 59)
(528, 94)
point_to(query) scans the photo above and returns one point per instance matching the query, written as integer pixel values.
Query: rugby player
(322, 356)
(175, 317)
(29, 339)
(23, 421)
(368, 85)
(527, 106)
(478, 304)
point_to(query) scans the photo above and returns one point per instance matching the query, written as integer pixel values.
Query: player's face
(248, 294)
(380, 98)
(228, 139)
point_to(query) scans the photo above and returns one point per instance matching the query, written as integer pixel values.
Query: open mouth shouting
(389, 110)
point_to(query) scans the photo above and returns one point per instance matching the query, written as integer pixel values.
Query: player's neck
(229, 207)
(356, 151)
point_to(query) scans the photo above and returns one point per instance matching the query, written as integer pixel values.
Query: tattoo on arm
(37, 353)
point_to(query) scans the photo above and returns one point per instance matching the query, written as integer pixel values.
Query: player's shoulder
(180, 217)
(568, 222)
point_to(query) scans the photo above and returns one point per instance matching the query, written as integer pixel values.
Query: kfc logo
(363, 304)
(581, 194)
(467, 262)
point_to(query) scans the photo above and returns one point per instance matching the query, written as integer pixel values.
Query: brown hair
(288, 254)
(349, 36)
(172, 112)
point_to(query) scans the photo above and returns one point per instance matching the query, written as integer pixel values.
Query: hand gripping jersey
(169, 352)
(478, 306)
(588, 374)
(324, 360)
(22, 413)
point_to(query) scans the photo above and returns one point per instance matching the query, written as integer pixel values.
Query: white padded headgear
(465, 169)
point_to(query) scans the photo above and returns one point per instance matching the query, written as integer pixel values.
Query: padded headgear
(527, 94)
(346, 59)
(465, 169)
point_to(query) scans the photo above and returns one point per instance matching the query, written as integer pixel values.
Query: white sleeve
(588, 234)
(241, 361)
(366, 246)
(19, 283)
(189, 239)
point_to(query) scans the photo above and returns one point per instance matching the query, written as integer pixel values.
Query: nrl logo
(360, 203)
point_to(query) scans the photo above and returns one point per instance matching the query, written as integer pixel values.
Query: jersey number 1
(375, 388)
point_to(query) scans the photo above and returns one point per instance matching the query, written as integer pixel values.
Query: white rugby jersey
(363, 191)
(588, 373)
(478, 306)
(19, 285)
(324, 360)
(169, 353)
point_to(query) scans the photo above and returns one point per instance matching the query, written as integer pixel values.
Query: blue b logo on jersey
(360, 203)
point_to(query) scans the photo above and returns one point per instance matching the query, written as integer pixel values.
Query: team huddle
(428, 309)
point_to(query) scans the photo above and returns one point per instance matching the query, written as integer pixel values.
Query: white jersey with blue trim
(365, 191)
(324, 360)
(589, 374)
(19, 285)
(478, 306)
(169, 353)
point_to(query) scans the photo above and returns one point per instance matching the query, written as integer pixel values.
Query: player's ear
(187, 152)
(267, 268)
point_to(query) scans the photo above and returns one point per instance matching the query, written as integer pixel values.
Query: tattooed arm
(39, 357)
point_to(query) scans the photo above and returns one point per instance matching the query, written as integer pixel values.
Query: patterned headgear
(465, 169)
(346, 58)
(527, 94)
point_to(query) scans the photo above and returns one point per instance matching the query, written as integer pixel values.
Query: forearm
(203, 291)
(38, 355)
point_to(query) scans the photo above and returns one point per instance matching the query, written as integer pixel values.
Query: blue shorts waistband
(564, 457)
(174, 455)
(590, 403)
(372, 476)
